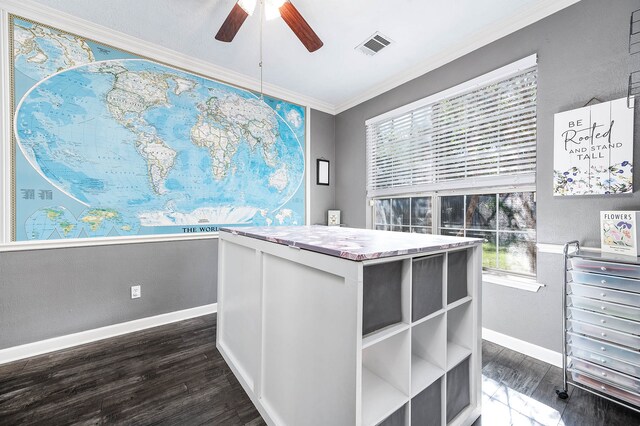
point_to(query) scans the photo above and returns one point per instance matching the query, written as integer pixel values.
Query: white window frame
(513, 280)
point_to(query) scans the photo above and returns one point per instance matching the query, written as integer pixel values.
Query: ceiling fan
(272, 9)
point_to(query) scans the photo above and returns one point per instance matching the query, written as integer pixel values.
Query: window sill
(513, 281)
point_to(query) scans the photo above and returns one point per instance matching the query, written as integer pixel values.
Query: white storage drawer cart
(602, 325)
(335, 326)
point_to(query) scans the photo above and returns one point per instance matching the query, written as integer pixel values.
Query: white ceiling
(426, 34)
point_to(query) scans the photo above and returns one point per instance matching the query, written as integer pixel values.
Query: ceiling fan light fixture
(276, 3)
(272, 9)
(248, 5)
(270, 13)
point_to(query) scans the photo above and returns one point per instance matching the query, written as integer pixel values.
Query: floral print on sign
(615, 179)
(617, 233)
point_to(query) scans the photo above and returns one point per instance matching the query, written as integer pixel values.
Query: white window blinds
(482, 133)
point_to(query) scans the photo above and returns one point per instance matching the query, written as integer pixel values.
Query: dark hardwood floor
(174, 375)
(171, 375)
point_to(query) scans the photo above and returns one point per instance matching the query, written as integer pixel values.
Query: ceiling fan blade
(232, 24)
(300, 27)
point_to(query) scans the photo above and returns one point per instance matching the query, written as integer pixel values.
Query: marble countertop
(353, 243)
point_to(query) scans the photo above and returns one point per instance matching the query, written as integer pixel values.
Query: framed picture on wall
(115, 171)
(593, 150)
(322, 167)
(619, 232)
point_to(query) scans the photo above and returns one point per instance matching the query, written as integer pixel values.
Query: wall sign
(111, 144)
(619, 232)
(593, 150)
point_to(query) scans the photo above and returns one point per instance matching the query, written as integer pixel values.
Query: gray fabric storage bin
(458, 388)
(427, 286)
(396, 419)
(425, 406)
(456, 275)
(382, 291)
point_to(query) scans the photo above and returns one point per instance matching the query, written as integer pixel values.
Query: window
(463, 163)
(408, 214)
(505, 221)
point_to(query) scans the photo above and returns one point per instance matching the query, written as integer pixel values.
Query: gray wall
(48, 293)
(582, 53)
(323, 129)
(54, 292)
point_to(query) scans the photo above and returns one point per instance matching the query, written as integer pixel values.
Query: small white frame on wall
(322, 177)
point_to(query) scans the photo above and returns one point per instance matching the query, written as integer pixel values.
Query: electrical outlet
(136, 291)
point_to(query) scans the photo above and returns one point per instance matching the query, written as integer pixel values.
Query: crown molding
(504, 27)
(64, 21)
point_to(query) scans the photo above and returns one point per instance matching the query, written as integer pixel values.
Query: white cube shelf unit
(338, 326)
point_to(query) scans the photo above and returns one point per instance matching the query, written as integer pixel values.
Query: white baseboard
(534, 351)
(56, 343)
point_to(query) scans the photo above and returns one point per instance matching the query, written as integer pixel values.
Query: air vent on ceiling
(374, 44)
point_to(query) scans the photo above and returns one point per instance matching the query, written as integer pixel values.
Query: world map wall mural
(111, 144)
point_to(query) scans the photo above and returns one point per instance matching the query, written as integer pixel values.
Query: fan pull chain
(261, 27)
